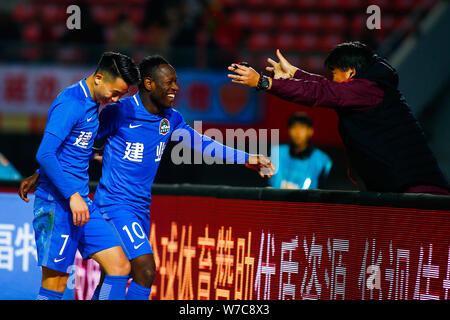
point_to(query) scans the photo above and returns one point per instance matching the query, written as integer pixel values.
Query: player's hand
(28, 184)
(98, 157)
(244, 75)
(281, 69)
(261, 164)
(80, 210)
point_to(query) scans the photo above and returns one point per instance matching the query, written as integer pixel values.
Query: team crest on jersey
(164, 126)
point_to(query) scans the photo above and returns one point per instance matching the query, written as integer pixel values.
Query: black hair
(149, 64)
(115, 64)
(349, 55)
(300, 117)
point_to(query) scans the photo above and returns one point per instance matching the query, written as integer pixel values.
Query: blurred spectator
(7, 170)
(299, 164)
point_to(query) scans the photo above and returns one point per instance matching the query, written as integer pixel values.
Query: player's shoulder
(69, 100)
(320, 154)
(173, 115)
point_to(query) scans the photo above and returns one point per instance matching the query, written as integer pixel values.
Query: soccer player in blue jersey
(65, 219)
(137, 130)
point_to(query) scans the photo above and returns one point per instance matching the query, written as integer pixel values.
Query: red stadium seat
(306, 4)
(106, 15)
(403, 5)
(32, 32)
(333, 22)
(53, 13)
(282, 4)
(290, 21)
(262, 20)
(260, 41)
(310, 22)
(230, 3)
(358, 24)
(257, 3)
(313, 64)
(24, 12)
(240, 19)
(285, 41)
(329, 41)
(136, 15)
(385, 5)
(352, 5)
(306, 42)
(328, 4)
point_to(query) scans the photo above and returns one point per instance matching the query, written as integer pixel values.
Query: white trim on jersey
(84, 90)
(135, 99)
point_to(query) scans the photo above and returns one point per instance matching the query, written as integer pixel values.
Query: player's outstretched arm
(28, 184)
(261, 164)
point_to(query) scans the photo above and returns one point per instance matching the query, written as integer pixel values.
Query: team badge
(164, 126)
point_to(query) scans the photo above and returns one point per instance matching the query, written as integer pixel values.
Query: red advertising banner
(213, 248)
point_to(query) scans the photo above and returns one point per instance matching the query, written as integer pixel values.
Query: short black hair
(149, 64)
(349, 55)
(300, 117)
(115, 65)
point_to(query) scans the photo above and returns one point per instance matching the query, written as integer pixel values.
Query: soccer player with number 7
(65, 219)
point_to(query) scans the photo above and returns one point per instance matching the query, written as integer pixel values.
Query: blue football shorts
(57, 238)
(131, 227)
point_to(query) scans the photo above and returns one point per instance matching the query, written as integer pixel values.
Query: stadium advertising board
(211, 248)
(20, 277)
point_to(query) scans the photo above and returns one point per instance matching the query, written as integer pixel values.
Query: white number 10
(139, 234)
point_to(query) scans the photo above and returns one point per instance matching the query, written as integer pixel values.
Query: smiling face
(163, 86)
(108, 89)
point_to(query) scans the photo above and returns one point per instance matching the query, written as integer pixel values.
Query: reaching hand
(282, 69)
(244, 75)
(28, 184)
(261, 164)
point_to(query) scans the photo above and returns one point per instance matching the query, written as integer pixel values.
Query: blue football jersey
(133, 149)
(73, 118)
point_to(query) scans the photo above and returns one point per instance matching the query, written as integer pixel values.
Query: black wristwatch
(263, 83)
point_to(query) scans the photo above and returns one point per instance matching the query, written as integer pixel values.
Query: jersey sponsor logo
(134, 151)
(83, 139)
(164, 126)
(159, 151)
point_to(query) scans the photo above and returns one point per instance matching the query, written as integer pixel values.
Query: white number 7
(66, 237)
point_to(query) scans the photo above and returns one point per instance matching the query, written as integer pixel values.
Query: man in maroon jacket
(384, 142)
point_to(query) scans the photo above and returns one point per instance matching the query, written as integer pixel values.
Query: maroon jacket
(383, 141)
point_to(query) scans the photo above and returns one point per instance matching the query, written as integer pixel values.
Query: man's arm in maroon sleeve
(304, 75)
(360, 93)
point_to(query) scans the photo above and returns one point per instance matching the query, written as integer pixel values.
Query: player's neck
(148, 104)
(90, 84)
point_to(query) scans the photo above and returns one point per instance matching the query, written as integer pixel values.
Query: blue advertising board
(20, 277)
